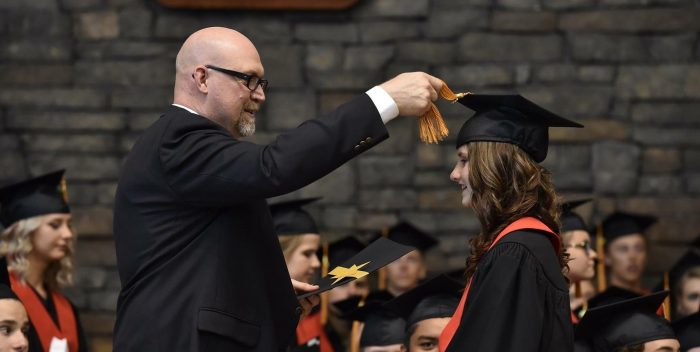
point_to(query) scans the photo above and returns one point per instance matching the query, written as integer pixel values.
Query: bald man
(200, 266)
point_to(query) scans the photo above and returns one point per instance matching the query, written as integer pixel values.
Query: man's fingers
(435, 82)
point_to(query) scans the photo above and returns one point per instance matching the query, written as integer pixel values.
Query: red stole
(45, 328)
(309, 328)
(529, 223)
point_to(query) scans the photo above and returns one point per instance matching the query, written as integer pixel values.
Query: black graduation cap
(406, 233)
(688, 331)
(625, 323)
(376, 255)
(620, 224)
(289, 218)
(350, 305)
(341, 250)
(5, 286)
(612, 294)
(382, 326)
(435, 298)
(45, 194)
(510, 119)
(688, 261)
(571, 221)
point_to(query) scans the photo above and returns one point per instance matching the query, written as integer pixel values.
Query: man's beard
(246, 127)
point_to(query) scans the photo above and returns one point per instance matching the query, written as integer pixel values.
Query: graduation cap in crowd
(625, 323)
(382, 327)
(570, 221)
(620, 224)
(5, 286)
(435, 298)
(406, 233)
(672, 278)
(289, 218)
(376, 255)
(687, 331)
(612, 294)
(348, 306)
(42, 195)
(510, 119)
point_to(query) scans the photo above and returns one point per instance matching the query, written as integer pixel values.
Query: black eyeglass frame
(247, 78)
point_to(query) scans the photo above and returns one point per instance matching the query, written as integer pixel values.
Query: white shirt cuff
(384, 103)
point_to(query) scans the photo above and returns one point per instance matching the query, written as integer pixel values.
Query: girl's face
(51, 241)
(460, 175)
(582, 264)
(303, 262)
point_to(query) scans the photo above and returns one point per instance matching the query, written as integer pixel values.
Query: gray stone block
(440, 199)
(662, 185)
(106, 51)
(692, 183)
(29, 5)
(16, 49)
(42, 74)
(64, 121)
(287, 109)
(666, 114)
(403, 134)
(524, 21)
(367, 57)
(391, 8)
(386, 171)
(519, 4)
(282, 65)
(509, 47)
(135, 22)
(139, 122)
(429, 52)
(384, 31)
(12, 166)
(448, 23)
(429, 156)
(95, 252)
(607, 47)
(327, 32)
(97, 25)
(141, 98)
(103, 300)
(615, 165)
(372, 221)
(477, 75)
(676, 48)
(462, 4)
(126, 73)
(660, 81)
(79, 5)
(571, 100)
(666, 136)
(387, 199)
(323, 57)
(344, 217)
(53, 97)
(596, 73)
(338, 187)
(691, 160)
(359, 81)
(567, 4)
(90, 277)
(568, 158)
(89, 194)
(69, 142)
(82, 167)
(176, 26)
(432, 179)
(38, 24)
(661, 160)
(633, 20)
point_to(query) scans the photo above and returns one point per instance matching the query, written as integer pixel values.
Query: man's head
(626, 246)
(218, 74)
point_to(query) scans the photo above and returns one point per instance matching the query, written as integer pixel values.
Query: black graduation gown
(518, 300)
(200, 265)
(33, 338)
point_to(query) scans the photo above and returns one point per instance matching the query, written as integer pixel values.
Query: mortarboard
(341, 250)
(625, 323)
(571, 221)
(688, 331)
(382, 326)
(289, 218)
(410, 235)
(510, 119)
(5, 287)
(376, 255)
(612, 294)
(672, 278)
(45, 194)
(435, 298)
(620, 224)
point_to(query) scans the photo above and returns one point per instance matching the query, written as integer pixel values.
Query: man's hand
(413, 92)
(307, 303)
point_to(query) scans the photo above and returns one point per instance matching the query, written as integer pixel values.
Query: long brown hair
(507, 185)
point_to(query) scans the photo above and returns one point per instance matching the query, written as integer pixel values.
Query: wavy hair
(16, 244)
(507, 185)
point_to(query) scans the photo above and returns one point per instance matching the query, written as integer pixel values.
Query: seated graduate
(426, 309)
(14, 323)
(626, 249)
(577, 241)
(684, 282)
(628, 326)
(38, 242)
(408, 271)
(688, 332)
(517, 257)
(380, 329)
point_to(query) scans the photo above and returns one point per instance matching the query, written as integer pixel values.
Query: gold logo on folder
(340, 273)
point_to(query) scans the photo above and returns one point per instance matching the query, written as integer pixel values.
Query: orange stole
(529, 223)
(310, 327)
(45, 327)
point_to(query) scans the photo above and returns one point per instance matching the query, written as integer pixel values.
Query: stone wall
(82, 78)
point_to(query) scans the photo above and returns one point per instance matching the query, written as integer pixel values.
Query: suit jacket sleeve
(205, 165)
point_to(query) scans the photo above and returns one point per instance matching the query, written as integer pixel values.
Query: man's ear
(200, 79)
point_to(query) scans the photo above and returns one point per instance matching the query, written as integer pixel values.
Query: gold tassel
(324, 295)
(600, 249)
(431, 124)
(667, 300)
(355, 332)
(381, 275)
(583, 310)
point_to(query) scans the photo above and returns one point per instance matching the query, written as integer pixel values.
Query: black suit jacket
(200, 265)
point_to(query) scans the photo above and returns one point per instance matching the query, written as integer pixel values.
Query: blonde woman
(38, 242)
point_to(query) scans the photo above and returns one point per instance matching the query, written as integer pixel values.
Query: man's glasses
(252, 82)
